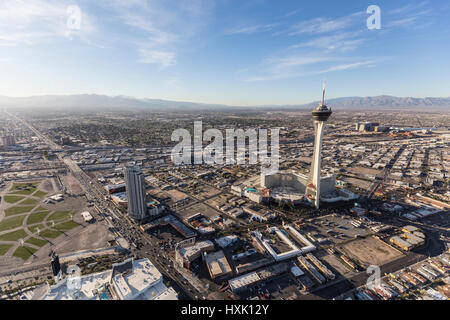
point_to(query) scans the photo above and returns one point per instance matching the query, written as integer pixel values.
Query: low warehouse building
(401, 243)
(87, 216)
(218, 265)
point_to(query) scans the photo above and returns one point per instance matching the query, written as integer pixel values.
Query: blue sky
(224, 51)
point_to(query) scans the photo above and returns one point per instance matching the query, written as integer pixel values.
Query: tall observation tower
(320, 116)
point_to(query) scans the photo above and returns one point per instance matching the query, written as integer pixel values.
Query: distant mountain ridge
(386, 102)
(94, 102)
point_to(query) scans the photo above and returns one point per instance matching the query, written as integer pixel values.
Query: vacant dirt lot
(73, 184)
(371, 251)
(357, 182)
(176, 195)
(336, 264)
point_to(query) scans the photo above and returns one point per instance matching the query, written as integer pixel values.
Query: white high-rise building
(7, 140)
(135, 184)
(320, 115)
(128, 280)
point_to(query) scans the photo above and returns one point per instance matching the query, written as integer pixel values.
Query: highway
(143, 244)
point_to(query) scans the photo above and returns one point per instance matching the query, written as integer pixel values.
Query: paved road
(376, 184)
(124, 226)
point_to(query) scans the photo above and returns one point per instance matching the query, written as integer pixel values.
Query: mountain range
(94, 102)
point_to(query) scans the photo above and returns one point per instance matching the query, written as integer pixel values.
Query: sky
(253, 52)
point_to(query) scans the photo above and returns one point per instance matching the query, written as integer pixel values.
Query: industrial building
(308, 266)
(410, 229)
(226, 241)
(199, 222)
(415, 240)
(116, 188)
(57, 197)
(246, 267)
(368, 126)
(120, 199)
(171, 221)
(327, 272)
(263, 243)
(217, 264)
(409, 239)
(245, 281)
(405, 245)
(87, 216)
(154, 208)
(187, 251)
(258, 214)
(241, 283)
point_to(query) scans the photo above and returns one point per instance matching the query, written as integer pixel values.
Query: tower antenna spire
(323, 92)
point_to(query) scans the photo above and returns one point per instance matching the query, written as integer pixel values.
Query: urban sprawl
(93, 207)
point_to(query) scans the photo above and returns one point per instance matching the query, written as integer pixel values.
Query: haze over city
(224, 155)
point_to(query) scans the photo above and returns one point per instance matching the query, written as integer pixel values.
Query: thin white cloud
(158, 28)
(325, 25)
(144, 16)
(286, 67)
(409, 20)
(251, 29)
(341, 67)
(294, 61)
(343, 41)
(34, 21)
(289, 14)
(300, 66)
(163, 58)
(319, 42)
(410, 16)
(408, 8)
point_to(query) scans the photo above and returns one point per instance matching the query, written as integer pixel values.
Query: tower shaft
(320, 116)
(317, 157)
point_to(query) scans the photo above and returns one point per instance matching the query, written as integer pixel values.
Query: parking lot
(334, 228)
(282, 287)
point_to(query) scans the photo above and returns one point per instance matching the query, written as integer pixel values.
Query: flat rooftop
(217, 264)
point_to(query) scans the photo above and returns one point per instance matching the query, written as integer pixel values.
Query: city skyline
(180, 150)
(257, 53)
